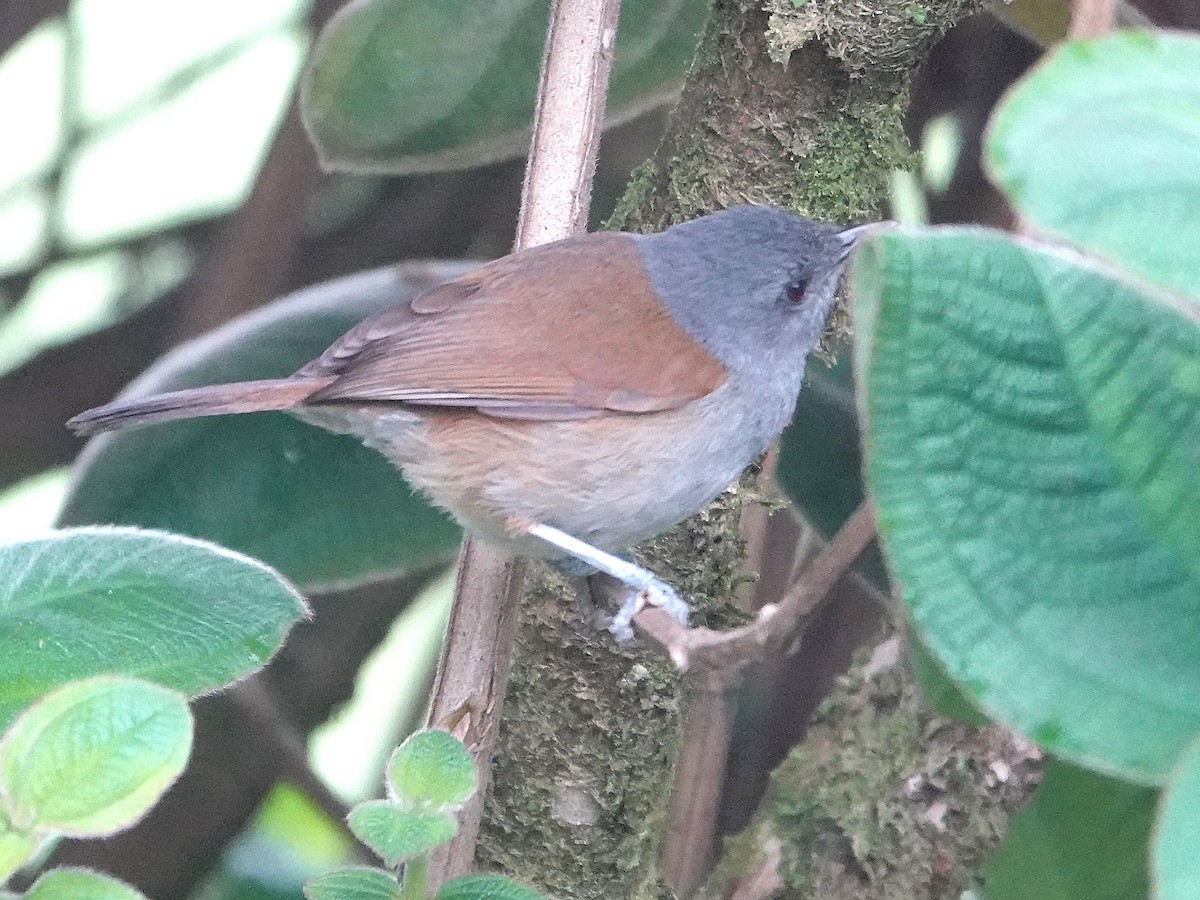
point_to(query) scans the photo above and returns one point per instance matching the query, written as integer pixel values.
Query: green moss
(703, 557)
(585, 721)
(875, 41)
(583, 767)
(798, 106)
(885, 800)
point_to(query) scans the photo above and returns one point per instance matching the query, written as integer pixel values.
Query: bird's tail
(216, 400)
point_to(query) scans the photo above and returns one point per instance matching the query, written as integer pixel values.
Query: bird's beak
(851, 236)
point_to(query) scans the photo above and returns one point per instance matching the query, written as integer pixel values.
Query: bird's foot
(643, 587)
(653, 592)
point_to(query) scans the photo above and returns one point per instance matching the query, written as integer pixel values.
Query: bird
(571, 400)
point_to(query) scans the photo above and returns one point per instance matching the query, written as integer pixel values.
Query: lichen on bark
(885, 799)
(797, 104)
(584, 720)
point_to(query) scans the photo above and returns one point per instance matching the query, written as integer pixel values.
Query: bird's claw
(653, 593)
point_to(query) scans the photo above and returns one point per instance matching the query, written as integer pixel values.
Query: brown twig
(700, 771)
(1091, 18)
(468, 691)
(762, 524)
(554, 205)
(566, 121)
(719, 655)
(281, 739)
(696, 794)
(714, 660)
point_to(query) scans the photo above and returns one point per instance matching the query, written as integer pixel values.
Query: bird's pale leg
(645, 587)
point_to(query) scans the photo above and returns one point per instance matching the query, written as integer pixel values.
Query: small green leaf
(485, 887)
(1032, 437)
(1082, 836)
(92, 757)
(1176, 851)
(1098, 144)
(405, 86)
(319, 507)
(359, 883)
(180, 612)
(397, 834)
(431, 768)
(80, 884)
(15, 848)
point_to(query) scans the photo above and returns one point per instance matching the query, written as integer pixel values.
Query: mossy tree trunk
(798, 105)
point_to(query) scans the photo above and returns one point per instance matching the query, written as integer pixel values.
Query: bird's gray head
(754, 284)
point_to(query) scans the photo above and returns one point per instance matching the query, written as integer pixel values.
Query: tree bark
(884, 799)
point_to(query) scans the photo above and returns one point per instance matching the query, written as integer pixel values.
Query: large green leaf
(422, 85)
(819, 462)
(171, 609)
(1099, 144)
(1177, 837)
(321, 508)
(1082, 836)
(93, 756)
(1033, 451)
(941, 693)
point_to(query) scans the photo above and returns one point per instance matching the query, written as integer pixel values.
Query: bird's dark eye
(794, 292)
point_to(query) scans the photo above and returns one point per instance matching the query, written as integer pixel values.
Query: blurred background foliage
(155, 181)
(135, 119)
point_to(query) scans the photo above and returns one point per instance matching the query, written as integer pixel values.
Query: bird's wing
(568, 330)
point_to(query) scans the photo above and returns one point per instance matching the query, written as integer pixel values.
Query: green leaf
(1082, 836)
(16, 847)
(819, 461)
(397, 834)
(92, 757)
(321, 508)
(354, 884)
(1098, 144)
(289, 817)
(1176, 850)
(939, 690)
(485, 887)
(431, 768)
(407, 86)
(1033, 452)
(177, 611)
(80, 884)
